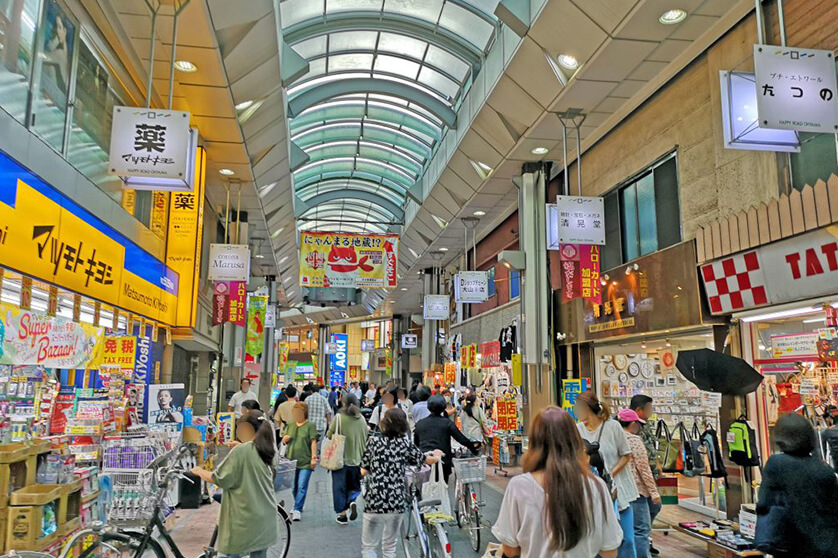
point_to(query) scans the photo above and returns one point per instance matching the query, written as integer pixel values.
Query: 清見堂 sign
(471, 286)
(410, 341)
(575, 220)
(801, 267)
(435, 307)
(229, 262)
(150, 143)
(796, 89)
(359, 261)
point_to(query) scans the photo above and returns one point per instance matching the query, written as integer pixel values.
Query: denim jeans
(346, 487)
(254, 554)
(301, 478)
(626, 549)
(642, 526)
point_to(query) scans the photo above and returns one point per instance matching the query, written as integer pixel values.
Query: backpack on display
(715, 463)
(670, 450)
(742, 443)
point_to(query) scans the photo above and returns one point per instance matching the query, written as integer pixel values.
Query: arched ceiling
(385, 79)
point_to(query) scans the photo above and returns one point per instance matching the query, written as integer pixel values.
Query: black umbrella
(717, 372)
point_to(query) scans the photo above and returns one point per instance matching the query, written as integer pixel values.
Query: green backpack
(742, 443)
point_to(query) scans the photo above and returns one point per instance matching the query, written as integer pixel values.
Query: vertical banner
(183, 242)
(589, 258)
(159, 213)
(129, 200)
(77, 308)
(220, 303)
(388, 362)
(284, 349)
(237, 298)
(255, 340)
(571, 389)
(449, 375)
(25, 293)
(52, 305)
(570, 277)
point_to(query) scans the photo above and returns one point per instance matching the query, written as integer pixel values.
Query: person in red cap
(632, 423)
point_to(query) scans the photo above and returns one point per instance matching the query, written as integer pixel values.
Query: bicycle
(97, 529)
(470, 473)
(433, 544)
(145, 543)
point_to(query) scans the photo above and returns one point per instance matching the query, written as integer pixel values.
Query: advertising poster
(53, 342)
(236, 304)
(255, 341)
(220, 303)
(570, 277)
(284, 349)
(164, 403)
(119, 352)
(570, 391)
(589, 259)
(364, 261)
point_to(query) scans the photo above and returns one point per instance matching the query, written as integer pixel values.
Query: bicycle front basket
(471, 469)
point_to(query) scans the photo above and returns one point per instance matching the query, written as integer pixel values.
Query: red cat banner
(361, 261)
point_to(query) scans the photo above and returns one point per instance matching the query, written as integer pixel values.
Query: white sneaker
(296, 516)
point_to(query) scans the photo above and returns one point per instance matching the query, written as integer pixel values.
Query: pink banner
(589, 258)
(221, 303)
(238, 303)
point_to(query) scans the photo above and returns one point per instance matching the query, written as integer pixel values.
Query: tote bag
(437, 489)
(670, 450)
(332, 458)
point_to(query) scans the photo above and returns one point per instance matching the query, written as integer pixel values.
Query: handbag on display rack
(670, 450)
(694, 456)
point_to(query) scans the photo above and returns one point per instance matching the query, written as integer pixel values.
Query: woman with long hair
(301, 438)
(246, 476)
(558, 507)
(346, 481)
(610, 455)
(473, 419)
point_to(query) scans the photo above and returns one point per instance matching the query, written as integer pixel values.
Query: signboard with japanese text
(149, 143)
(348, 260)
(435, 307)
(576, 220)
(571, 279)
(159, 213)
(796, 89)
(490, 354)
(270, 316)
(794, 345)
(236, 304)
(183, 242)
(471, 286)
(507, 414)
(220, 303)
(119, 351)
(255, 337)
(32, 338)
(229, 262)
(49, 237)
(589, 281)
(571, 389)
(449, 374)
(367, 345)
(410, 341)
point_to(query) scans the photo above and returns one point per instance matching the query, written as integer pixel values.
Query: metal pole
(579, 156)
(782, 22)
(760, 22)
(564, 148)
(239, 214)
(151, 58)
(227, 215)
(173, 57)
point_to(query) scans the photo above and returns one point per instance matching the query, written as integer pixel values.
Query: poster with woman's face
(164, 403)
(56, 53)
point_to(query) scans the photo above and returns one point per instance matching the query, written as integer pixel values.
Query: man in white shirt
(356, 391)
(244, 394)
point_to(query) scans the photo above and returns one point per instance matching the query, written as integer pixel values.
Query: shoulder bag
(670, 450)
(332, 458)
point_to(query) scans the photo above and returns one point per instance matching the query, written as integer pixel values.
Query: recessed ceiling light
(288, 278)
(568, 61)
(283, 260)
(443, 249)
(278, 232)
(671, 17)
(226, 172)
(539, 151)
(404, 288)
(479, 213)
(185, 66)
(260, 256)
(244, 105)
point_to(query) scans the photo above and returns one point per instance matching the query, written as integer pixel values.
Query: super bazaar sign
(802, 267)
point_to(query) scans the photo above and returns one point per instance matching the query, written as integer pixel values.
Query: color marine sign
(46, 235)
(347, 260)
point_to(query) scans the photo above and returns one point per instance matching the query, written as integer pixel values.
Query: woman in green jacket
(346, 481)
(247, 523)
(301, 438)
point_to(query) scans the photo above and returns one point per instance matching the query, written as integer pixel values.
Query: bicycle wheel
(283, 535)
(127, 544)
(440, 545)
(473, 521)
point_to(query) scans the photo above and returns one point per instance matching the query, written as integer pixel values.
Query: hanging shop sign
(367, 345)
(794, 345)
(571, 390)
(49, 237)
(220, 303)
(507, 414)
(119, 351)
(183, 243)
(471, 287)
(338, 358)
(32, 338)
(347, 260)
(580, 272)
(435, 307)
(236, 305)
(255, 340)
(229, 262)
(796, 89)
(410, 341)
(152, 149)
(801, 267)
(575, 220)
(450, 373)
(270, 316)
(284, 350)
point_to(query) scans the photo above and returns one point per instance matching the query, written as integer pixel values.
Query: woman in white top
(598, 429)
(558, 508)
(388, 401)
(473, 419)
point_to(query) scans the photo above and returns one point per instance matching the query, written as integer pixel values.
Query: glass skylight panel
(349, 62)
(438, 82)
(444, 60)
(402, 44)
(485, 6)
(292, 12)
(397, 66)
(467, 25)
(352, 40)
(423, 9)
(311, 48)
(372, 151)
(338, 6)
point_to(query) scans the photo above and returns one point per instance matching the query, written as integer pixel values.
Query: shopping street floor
(319, 536)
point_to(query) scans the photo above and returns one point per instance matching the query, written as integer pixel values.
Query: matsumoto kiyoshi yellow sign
(348, 260)
(46, 235)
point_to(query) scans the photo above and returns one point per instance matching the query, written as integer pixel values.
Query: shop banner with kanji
(468, 356)
(220, 303)
(570, 278)
(571, 389)
(507, 414)
(50, 341)
(348, 260)
(120, 351)
(589, 259)
(236, 304)
(255, 341)
(490, 354)
(450, 373)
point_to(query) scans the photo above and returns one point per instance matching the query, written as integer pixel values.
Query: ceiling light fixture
(404, 288)
(185, 66)
(278, 232)
(283, 260)
(226, 172)
(443, 249)
(539, 151)
(244, 105)
(671, 17)
(260, 256)
(479, 213)
(568, 61)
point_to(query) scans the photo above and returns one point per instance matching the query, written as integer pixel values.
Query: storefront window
(17, 41)
(514, 284)
(491, 273)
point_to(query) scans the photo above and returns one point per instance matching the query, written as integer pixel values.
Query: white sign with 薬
(577, 220)
(796, 89)
(229, 262)
(435, 307)
(471, 286)
(410, 341)
(150, 143)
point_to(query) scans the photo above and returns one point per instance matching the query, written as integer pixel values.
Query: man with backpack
(643, 406)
